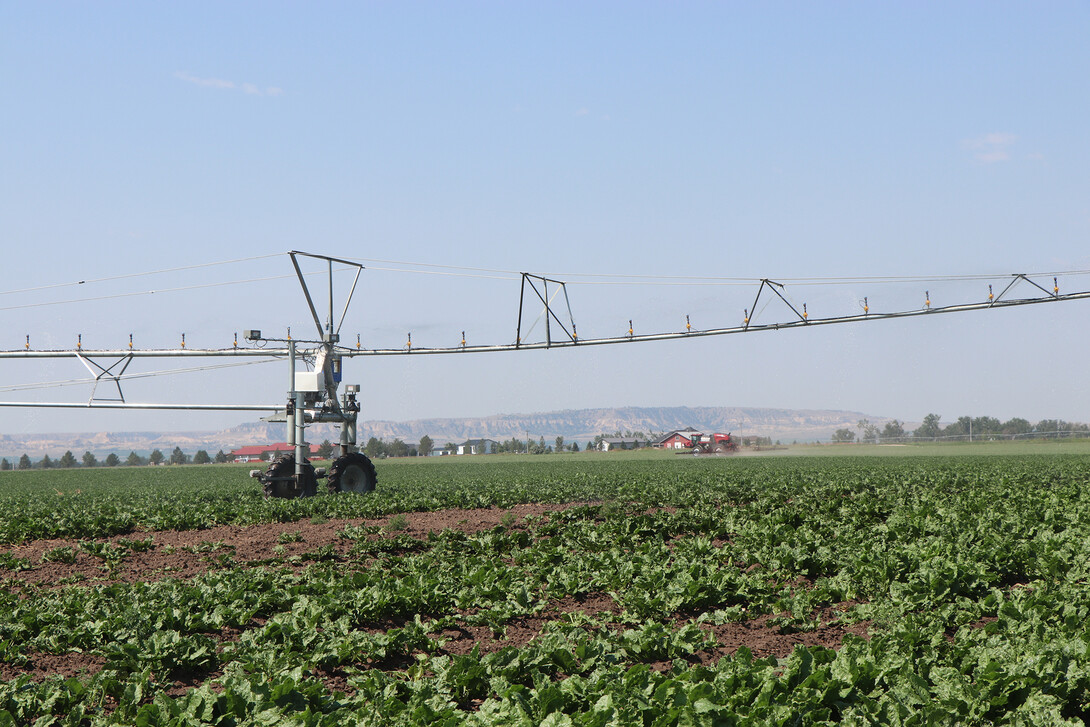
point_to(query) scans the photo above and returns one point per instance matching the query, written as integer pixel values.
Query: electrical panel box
(308, 381)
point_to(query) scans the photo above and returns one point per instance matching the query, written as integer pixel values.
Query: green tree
(986, 427)
(929, 428)
(24, 462)
(1016, 426)
(325, 449)
(45, 463)
(893, 430)
(374, 447)
(156, 457)
(4, 464)
(843, 435)
(869, 431)
(178, 456)
(89, 460)
(201, 457)
(112, 460)
(1048, 428)
(221, 457)
(575, 446)
(67, 460)
(960, 428)
(426, 446)
(397, 448)
(135, 460)
(559, 444)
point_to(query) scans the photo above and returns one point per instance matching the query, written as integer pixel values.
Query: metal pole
(290, 421)
(300, 437)
(518, 326)
(295, 423)
(548, 310)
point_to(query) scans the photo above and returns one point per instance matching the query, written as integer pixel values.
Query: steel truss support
(328, 360)
(328, 330)
(326, 406)
(775, 288)
(105, 373)
(533, 281)
(1055, 292)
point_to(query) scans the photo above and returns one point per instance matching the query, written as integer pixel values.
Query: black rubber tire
(353, 472)
(284, 466)
(720, 448)
(698, 449)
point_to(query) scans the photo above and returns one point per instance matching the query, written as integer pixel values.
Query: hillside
(575, 425)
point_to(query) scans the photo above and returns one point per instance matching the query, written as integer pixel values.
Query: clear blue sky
(780, 140)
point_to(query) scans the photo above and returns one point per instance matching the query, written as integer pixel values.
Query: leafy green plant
(137, 546)
(61, 554)
(968, 580)
(14, 563)
(397, 523)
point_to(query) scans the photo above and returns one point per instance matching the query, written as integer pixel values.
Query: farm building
(477, 446)
(264, 452)
(612, 443)
(678, 439)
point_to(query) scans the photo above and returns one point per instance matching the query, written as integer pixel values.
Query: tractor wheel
(280, 479)
(352, 473)
(720, 448)
(697, 449)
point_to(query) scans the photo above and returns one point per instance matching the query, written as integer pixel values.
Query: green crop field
(946, 585)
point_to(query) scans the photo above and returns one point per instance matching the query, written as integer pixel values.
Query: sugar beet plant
(885, 591)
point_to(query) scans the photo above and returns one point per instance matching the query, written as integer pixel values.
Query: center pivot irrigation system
(315, 365)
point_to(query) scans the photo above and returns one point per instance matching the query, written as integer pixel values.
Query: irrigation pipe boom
(313, 394)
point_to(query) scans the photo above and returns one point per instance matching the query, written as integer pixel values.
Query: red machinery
(717, 443)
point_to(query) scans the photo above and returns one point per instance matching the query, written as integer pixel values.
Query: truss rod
(129, 405)
(746, 328)
(88, 353)
(420, 350)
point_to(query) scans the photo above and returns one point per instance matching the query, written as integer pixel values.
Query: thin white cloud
(585, 112)
(992, 147)
(206, 82)
(251, 89)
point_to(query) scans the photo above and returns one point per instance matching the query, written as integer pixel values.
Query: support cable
(139, 275)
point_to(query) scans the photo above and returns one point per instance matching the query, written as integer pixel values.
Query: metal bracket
(528, 279)
(328, 332)
(1022, 276)
(772, 285)
(106, 373)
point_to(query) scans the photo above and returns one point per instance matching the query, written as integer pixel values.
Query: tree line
(983, 427)
(378, 448)
(68, 460)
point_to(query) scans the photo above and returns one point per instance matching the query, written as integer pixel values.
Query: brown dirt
(760, 634)
(41, 666)
(764, 638)
(187, 554)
